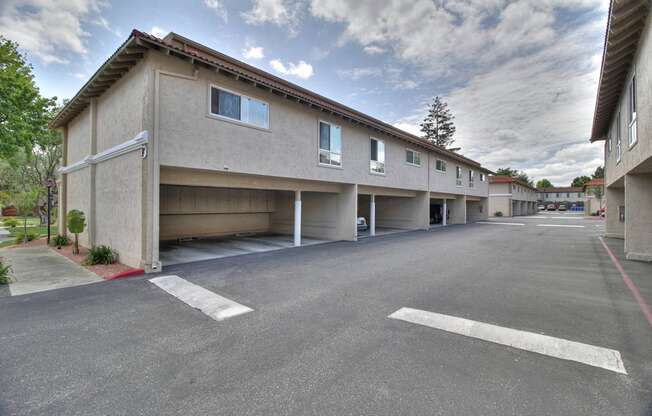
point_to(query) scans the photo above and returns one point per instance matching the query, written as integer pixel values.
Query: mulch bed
(106, 271)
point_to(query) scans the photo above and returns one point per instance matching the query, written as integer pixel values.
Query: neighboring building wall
(615, 226)
(638, 217)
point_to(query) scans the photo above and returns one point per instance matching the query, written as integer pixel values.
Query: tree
(438, 127)
(544, 183)
(25, 202)
(598, 193)
(514, 173)
(23, 112)
(599, 172)
(579, 181)
(76, 224)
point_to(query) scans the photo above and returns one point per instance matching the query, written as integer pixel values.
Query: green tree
(599, 172)
(438, 127)
(23, 112)
(544, 183)
(25, 203)
(579, 181)
(514, 173)
(76, 225)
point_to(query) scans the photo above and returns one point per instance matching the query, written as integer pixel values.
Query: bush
(60, 240)
(20, 236)
(10, 222)
(498, 214)
(101, 255)
(4, 273)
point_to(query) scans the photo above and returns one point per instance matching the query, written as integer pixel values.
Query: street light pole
(50, 184)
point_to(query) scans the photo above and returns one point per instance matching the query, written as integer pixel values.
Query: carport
(477, 209)
(388, 210)
(440, 209)
(206, 215)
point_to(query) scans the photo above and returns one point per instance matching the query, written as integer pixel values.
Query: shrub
(20, 236)
(76, 224)
(101, 255)
(10, 222)
(498, 214)
(4, 273)
(60, 240)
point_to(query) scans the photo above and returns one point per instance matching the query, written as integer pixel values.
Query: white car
(362, 224)
(541, 207)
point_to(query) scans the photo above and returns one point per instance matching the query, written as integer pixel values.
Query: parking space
(308, 331)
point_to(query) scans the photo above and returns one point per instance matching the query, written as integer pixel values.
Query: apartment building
(172, 140)
(569, 194)
(511, 197)
(623, 120)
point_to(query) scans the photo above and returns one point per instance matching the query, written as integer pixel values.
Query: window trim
(407, 149)
(444, 162)
(619, 149)
(319, 149)
(384, 172)
(632, 124)
(212, 115)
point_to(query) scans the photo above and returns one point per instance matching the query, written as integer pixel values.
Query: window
(471, 178)
(458, 176)
(557, 194)
(608, 144)
(618, 147)
(632, 137)
(377, 159)
(440, 165)
(567, 194)
(330, 144)
(239, 107)
(412, 157)
(482, 177)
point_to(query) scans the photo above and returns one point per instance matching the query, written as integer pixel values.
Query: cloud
(49, 30)
(79, 75)
(373, 50)
(218, 8)
(282, 13)
(253, 52)
(357, 73)
(301, 70)
(158, 32)
(102, 22)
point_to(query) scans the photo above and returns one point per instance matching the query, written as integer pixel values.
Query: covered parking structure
(244, 211)
(389, 210)
(445, 209)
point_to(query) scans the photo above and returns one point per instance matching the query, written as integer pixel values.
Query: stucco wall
(613, 226)
(638, 217)
(446, 182)
(642, 65)
(500, 203)
(410, 213)
(79, 137)
(118, 206)
(477, 210)
(78, 190)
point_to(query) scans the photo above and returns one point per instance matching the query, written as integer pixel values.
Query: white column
(443, 219)
(372, 215)
(297, 218)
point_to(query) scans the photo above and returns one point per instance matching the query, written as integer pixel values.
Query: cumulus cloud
(49, 30)
(253, 52)
(301, 70)
(158, 32)
(373, 50)
(218, 8)
(282, 13)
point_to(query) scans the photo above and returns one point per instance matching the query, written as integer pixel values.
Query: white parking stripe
(542, 344)
(499, 223)
(212, 304)
(560, 225)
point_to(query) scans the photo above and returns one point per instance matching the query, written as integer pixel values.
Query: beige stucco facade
(510, 198)
(628, 163)
(188, 173)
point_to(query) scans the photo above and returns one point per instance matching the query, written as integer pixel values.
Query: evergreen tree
(599, 172)
(438, 127)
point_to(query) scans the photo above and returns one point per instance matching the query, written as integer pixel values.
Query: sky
(519, 76)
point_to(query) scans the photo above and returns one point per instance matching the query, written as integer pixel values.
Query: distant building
(569, 194)
(511, 197)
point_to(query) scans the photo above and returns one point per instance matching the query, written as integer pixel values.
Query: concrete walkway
(36, 269)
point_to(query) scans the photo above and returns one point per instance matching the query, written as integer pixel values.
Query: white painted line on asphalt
(560, 225)
(499, 223)
(542, 344)
(210, 303)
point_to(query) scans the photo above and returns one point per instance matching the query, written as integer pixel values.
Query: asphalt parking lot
(318, 339)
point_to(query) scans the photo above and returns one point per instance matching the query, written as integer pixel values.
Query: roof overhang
(626, 21)
(138, 43)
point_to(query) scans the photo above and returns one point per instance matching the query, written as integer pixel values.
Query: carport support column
(372, 215)
(443, 219)
(297, 218)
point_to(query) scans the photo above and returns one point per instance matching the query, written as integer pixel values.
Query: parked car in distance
(362, 224)
(562, 207)
(551, 207)
(541, 207)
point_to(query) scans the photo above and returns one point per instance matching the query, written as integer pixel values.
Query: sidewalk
(36, 269)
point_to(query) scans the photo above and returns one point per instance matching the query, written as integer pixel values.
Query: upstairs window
(239, 107)
(631, 106)
(412, 157)
(482, 177)
(471, 178)
(458, 176)
(377, 159)
(618, 141)
(330, 144)
(440, 165)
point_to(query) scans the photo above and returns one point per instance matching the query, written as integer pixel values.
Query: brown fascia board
(210, 58)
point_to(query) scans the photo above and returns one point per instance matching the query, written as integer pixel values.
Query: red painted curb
(128, 273)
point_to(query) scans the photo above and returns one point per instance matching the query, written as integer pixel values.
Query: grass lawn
(33, 225)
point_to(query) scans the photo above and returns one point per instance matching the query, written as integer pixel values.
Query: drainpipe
(297, 218)
(372, 215)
